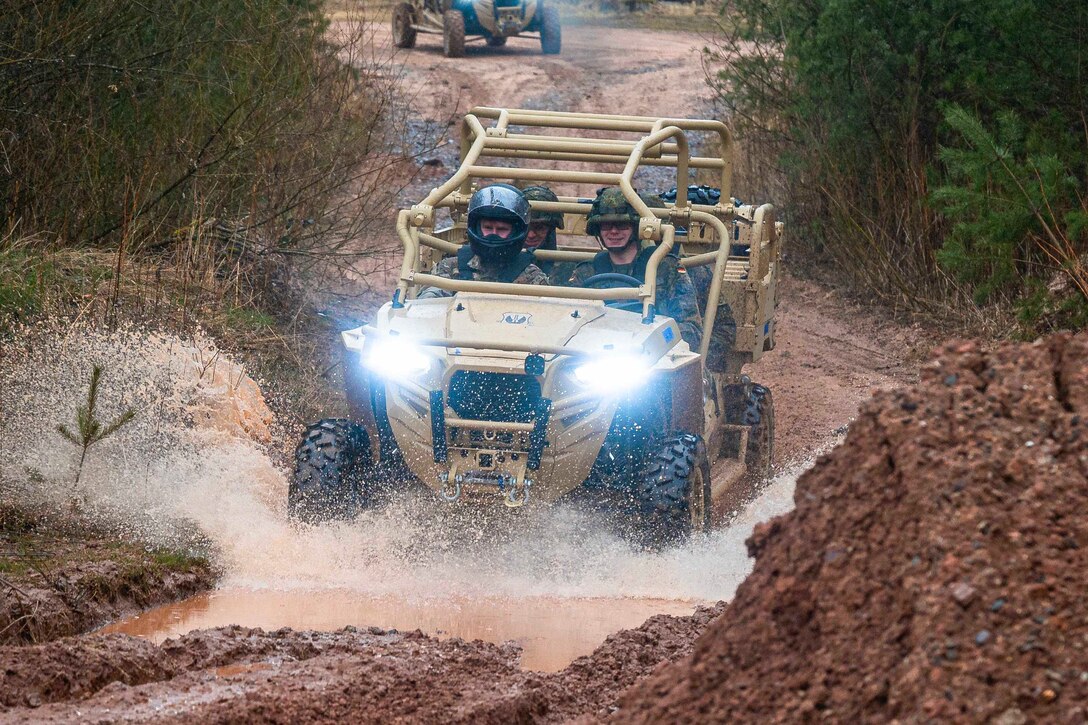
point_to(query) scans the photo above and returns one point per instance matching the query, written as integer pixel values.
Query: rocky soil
(235, 674)
(933, 570)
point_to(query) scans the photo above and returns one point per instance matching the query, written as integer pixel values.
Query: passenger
(498, 223)
(542, 224)
(542, 234)
(615, 224)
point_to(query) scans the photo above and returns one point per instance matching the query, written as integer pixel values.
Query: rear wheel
(404, 16)
(551, 34)
(751, 405)
(453, 34)
(330, 464)
(496, 41)
(759, 417)
(672, 495)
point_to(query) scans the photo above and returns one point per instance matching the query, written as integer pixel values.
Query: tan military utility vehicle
(524, 394)
(461, 21)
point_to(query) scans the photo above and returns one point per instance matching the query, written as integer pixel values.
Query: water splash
(181, 474)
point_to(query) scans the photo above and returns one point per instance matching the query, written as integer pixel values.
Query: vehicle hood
(473, 323)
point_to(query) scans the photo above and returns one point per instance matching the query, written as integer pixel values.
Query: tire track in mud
(604, 70)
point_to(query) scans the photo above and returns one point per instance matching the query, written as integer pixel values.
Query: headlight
(391, 357)
(613, 373)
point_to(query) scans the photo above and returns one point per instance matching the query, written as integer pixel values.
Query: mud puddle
(559, 605)
(192, 470)
(551, 631)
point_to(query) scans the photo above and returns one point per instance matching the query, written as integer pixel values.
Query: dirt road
(830, 356)
(604, 70)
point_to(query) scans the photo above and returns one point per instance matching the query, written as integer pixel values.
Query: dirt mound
(935, 567)
(237, 673)
(591, 684)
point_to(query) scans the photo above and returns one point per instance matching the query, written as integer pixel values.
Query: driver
(498, 221)
(615, 224)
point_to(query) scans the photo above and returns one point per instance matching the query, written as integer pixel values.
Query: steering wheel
(613, 280)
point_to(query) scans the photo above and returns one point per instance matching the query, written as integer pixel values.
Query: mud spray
(193, 470)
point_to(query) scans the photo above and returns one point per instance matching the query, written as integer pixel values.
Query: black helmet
(498, 201)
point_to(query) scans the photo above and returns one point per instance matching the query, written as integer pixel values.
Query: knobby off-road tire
(551, 34)
(672, 495)
(330, 467)
(759, 417)
(496, 41)
(453, 34)
(404, 16)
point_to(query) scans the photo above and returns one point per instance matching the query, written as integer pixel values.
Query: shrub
(849, 97)
(124, 124)
(1016, 222)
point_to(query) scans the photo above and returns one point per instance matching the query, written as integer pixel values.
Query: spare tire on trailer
(672, 494)
(453, 34)
(551, 33)
(404, 17)
(329, 481)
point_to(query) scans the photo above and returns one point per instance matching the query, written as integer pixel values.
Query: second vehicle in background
(492, 21)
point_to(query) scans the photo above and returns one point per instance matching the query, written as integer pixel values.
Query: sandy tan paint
(466, 337)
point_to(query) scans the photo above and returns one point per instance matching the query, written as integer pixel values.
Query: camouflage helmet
(609, 206)
(654, 201)
(543, 193)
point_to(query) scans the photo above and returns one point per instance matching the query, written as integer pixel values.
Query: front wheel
(551, 34)
(496, 41)
(672, 494)
(453, 34)
(330, 463)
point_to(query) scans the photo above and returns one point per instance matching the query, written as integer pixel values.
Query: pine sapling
(88, 429)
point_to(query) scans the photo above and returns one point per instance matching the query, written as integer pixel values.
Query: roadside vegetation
(60, 576)
(217, 164)
(190, 163)
(932, 156)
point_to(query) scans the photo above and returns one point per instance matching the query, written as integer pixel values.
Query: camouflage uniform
(448, 268)
(675, 294)
(724, 333)
(558, 272)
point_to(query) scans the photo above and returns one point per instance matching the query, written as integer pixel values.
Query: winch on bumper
(489, 452)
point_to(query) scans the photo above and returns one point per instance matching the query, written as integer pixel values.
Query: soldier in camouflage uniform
(542, 234)
(724, 333)
(615, 224)
(498, 222)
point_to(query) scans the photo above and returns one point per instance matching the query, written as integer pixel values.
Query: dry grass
(304, 229)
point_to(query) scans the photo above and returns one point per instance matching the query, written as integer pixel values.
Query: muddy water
(552, 632)
(561, 603)
(557, 580)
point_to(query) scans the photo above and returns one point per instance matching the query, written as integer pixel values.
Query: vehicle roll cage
(664, 143)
